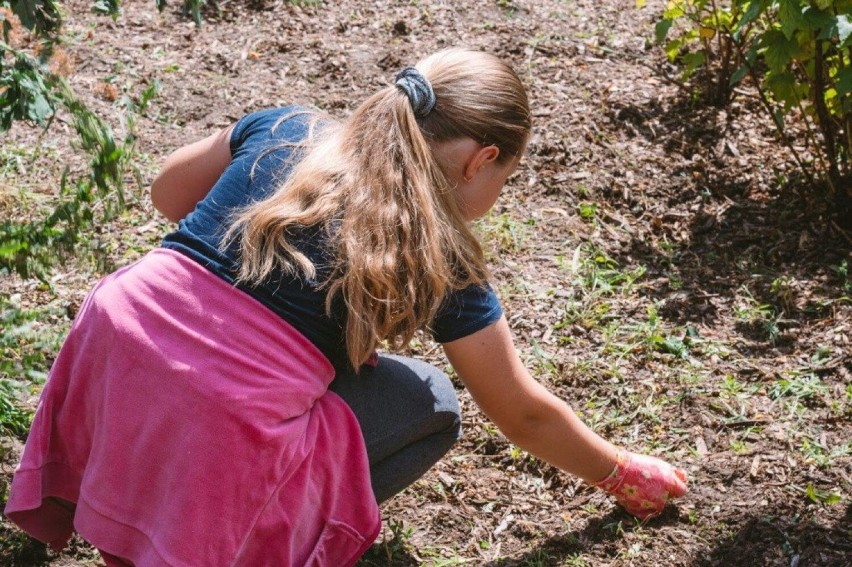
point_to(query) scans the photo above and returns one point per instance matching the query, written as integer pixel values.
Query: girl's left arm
(189, 173)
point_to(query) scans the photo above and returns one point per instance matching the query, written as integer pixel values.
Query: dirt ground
(656, 257)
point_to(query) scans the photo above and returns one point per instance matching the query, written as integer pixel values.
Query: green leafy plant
(703, 39)
(845, 276)
(814, 452)
(28, 343)
(108, 7)
(190, 7)
(32, 93)
(761, 316)
(797, 54)
(594, 277)
(503, 232)
(41, 16)
(14, 420)
(800, 387)
(822, 496)
(588, 211)
(26, 349)
(649, 336)
(24, 89)
(390, 551)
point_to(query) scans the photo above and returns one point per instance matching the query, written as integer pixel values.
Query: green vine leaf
(24, 95)
(797, 50)
(779, 50)
(819, 20)
(785, 89)
(791, 16)
(844, 81)
(750, 14)
(39, 16)
(662, 28)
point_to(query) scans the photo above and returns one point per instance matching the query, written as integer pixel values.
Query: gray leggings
(409, 417)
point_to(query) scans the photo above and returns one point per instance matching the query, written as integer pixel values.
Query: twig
(842, 232)
(734, 424)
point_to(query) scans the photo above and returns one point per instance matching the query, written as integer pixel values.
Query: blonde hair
(397, 236)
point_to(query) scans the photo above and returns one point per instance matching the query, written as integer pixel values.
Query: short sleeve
(465, 312)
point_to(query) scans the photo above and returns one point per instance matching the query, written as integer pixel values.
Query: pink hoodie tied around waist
(186, 424)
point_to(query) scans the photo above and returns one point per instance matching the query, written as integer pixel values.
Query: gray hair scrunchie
(418, 90)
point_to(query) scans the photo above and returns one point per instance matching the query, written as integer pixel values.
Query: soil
(661, 262)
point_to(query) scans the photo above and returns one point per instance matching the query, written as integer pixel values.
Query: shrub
(32, 93)
(797, 53)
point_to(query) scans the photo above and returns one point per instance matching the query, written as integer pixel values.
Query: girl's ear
(480, 159)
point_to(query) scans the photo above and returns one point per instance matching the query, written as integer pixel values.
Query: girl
(220, 402)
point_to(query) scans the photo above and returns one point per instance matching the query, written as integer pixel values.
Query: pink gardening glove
(642, 484)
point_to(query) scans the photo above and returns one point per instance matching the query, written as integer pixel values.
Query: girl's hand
(642, 484)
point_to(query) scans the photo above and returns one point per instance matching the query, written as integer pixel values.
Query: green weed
(544, 362)
(783, 291)
(759, 316)
(594, 278)
(540, 559)
(576, 560)
(731, 388)
(391, 551)
(642, 337)
(14, 420)
(16, 160)
(815, 453)
(822, 496)
(844, 275)
(800, 387)
(28, 341)
(503, 232)
(587, 211)
(507, 6)
(440, 557)
(17, 548)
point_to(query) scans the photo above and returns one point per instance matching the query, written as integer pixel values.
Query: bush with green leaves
(34, 241)
(30, 92)
(797, 54)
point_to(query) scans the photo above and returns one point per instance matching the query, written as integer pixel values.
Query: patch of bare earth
(655, 256)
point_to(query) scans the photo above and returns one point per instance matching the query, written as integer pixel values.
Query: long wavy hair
(397, 235)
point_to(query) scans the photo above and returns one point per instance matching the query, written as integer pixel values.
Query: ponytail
(398, 238)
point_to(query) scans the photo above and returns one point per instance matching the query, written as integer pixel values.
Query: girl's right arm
(545, 426)
(189, 173)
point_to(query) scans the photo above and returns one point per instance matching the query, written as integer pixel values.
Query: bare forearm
(529, 415)
(554, 433)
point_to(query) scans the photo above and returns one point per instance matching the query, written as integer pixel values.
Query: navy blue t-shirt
(261, 157)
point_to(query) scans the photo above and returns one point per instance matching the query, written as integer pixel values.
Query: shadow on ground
(599, 538)
(784, 539)
(724, 224)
